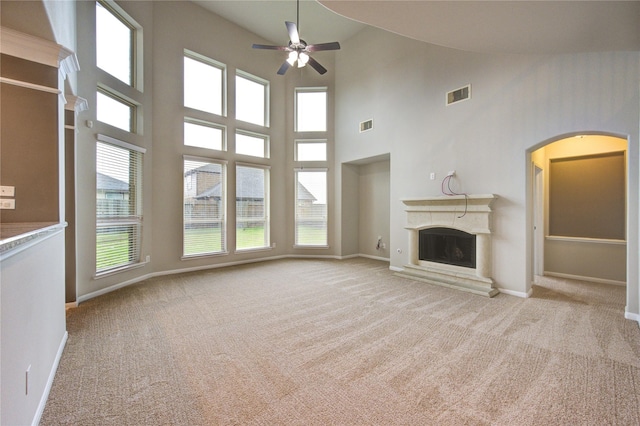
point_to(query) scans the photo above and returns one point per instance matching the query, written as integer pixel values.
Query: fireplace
(450, 242)
(448, 246)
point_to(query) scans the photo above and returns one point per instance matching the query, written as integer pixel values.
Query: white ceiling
(520, 26)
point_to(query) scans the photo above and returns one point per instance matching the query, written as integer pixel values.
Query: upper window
(252, 98)
(204, 135)
(111, 109)
(114, 44)
(311, 110)
(203, 84)
(311, 150)
(252, 144)
(118, 204)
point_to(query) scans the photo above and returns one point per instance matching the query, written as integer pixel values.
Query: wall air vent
(366, 125)
(459, 95)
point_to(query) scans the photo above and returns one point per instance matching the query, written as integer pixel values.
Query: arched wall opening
(577, 208)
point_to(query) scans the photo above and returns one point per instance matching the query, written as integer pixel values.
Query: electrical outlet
(432, 176)
(148, 259)
(7, 191)
(8, 204)
(451, 173)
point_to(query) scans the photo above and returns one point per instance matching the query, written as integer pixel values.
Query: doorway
(596, 164)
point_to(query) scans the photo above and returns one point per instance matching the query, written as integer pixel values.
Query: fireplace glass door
(446, 245)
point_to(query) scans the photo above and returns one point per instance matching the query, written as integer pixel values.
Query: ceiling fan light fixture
(303, 58)
(293, 57)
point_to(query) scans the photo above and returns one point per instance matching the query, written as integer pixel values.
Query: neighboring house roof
(208, 168)
(108, 183)
(304, 194)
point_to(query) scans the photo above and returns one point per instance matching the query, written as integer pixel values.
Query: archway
(583, 233)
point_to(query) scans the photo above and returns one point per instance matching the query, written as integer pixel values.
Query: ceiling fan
(299, 49)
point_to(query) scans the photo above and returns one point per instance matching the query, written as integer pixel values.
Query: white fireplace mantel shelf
(468, 213)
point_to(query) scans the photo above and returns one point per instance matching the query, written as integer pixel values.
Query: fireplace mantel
(468, 213)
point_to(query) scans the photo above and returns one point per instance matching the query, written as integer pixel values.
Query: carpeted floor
(319, 342)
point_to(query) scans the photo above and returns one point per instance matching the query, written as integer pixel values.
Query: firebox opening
(446, 245)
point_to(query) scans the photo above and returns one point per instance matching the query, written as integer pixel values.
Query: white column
(413, 246)
(483, 255)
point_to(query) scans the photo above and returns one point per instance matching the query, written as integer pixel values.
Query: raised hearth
(458, 221)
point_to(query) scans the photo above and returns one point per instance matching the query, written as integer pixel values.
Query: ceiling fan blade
(284, 67)
(268, 47)
(323, 46)
(293, 32)
(316, 66)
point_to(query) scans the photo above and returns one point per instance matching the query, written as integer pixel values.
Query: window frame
(135, 219)
(267, 207)
(205, 123)
(297, 243)
(223, 81)
(297, 142)
(265, 138)
(223, 209)
(299, 90)
(267, 96)
(113, 95)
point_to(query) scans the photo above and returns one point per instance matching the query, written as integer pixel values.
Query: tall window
(118, 204)
(311, 110)
(252, 207)
(252, 99)
(114, 44)
(203, 84)
(311, 207)
(204, 207)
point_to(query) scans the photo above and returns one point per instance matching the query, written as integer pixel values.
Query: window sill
(310, 247)
(252, 250)
(125, 268)
(203, 255)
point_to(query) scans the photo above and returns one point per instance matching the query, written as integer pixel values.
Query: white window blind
(311, 207)
(118, 206)
(252, 207)
(204, 207)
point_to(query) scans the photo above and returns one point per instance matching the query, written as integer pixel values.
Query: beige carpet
(315, 342)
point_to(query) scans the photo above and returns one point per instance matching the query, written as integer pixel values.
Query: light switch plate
(7, 191)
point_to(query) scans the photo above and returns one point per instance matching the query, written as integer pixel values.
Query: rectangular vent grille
(366, 125)
(458, 95)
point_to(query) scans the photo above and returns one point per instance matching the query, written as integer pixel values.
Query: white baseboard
(396, 269)
(521, 294)
(52, 375)
(368, 256)
(588, 279)
(632, 316)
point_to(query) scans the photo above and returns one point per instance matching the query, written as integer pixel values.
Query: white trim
(52, 375)
(588, 279)
(585, 240)
(254, 165)
(396, 269)
(204, 159)
(632, 316)
(310, 169)
(368, 256)
(76, 103)
(516, 293)
(121, 144)
(29, 47)
(28, 85)
(14, 245)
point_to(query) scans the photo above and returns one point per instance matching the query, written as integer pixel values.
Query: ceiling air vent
(366, 125)
(458, 95)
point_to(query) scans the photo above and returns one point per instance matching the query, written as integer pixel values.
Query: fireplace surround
(461, 254)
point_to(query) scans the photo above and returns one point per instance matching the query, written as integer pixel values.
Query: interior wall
(373, 184)
(516, 102)
(350, 208)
